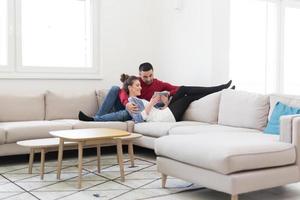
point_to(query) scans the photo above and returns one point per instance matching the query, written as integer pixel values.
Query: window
(291, 49)
(53, 38)
(3, 32)
(264, 45)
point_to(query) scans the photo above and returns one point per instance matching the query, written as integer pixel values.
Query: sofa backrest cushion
(243, 109)
(290, 100)
(61, 106)
(22, 108)
(205, 109)
(101, 94)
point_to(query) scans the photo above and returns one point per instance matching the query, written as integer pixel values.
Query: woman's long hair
(127, 81)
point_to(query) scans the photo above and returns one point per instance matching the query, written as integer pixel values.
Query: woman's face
(135, 88)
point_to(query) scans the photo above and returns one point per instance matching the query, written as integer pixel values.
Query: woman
(171, 111)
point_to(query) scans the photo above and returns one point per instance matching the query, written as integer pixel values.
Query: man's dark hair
(144, 67)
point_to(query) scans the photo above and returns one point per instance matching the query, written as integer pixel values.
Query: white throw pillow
(243, 109)
(59, 106)
(205, 109)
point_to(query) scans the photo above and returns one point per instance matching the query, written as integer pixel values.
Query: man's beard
(148, 82)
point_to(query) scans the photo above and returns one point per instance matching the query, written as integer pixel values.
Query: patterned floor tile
(88, 181)
(8, 168)
(109, 185)
(4, 195)
(23, 196)
(142, 194)
(135, 183)
(51, 195)
(10, 187)
(96, 195)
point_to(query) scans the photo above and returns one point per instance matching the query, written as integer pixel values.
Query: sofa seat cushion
(2, 135)
(16, 131)
(158, 129)
(226, 152)
(209, 128)
(72, 122)
(114, 125)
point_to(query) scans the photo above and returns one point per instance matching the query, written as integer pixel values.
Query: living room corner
(149, 99)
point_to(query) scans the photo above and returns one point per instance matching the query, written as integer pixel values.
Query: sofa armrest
(290, 132)
(286, 128)
(296, 137)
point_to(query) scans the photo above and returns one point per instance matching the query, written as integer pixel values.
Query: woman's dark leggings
(186, 95)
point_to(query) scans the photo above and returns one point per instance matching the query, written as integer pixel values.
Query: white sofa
(33, 116)
(219, 144)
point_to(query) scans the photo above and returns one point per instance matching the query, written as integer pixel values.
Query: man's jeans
(112, 109)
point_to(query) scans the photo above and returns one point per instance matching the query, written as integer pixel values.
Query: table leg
(60, 156)
(31, 159)
(98, 157)
(131, 153)
(42, 163)
(120, 158)
(163, 180)
(80, 153)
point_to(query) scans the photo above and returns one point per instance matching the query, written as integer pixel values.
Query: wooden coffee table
(96, 136)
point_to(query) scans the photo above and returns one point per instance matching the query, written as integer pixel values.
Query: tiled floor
(142, 182)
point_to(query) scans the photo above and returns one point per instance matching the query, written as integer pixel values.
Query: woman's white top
(157, 115)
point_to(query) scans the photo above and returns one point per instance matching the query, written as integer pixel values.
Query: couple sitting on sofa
(141, 99)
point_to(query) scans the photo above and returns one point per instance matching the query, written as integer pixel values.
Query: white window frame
(15, 69)
(283, 4)
(279, 66)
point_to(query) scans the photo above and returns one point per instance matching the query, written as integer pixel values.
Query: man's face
(147, 76)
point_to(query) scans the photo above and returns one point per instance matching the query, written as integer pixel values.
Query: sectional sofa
(219, 144)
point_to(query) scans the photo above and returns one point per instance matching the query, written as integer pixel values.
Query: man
(149, 85)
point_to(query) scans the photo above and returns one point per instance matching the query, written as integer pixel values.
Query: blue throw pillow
(280, 109)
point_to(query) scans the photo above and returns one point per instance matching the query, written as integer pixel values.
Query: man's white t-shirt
(157, 115)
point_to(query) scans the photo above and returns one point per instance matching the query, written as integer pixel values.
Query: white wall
(184, 49)
(220, 41)
(185, 46)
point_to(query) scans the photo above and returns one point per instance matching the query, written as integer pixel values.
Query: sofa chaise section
(227, 153)
(210, 128)
(269, 163)
(234, 156)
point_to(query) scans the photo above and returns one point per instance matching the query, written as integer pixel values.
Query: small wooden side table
(41, 145)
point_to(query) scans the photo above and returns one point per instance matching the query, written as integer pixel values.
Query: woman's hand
(165, 100)
(154, 100)
(132, 108)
